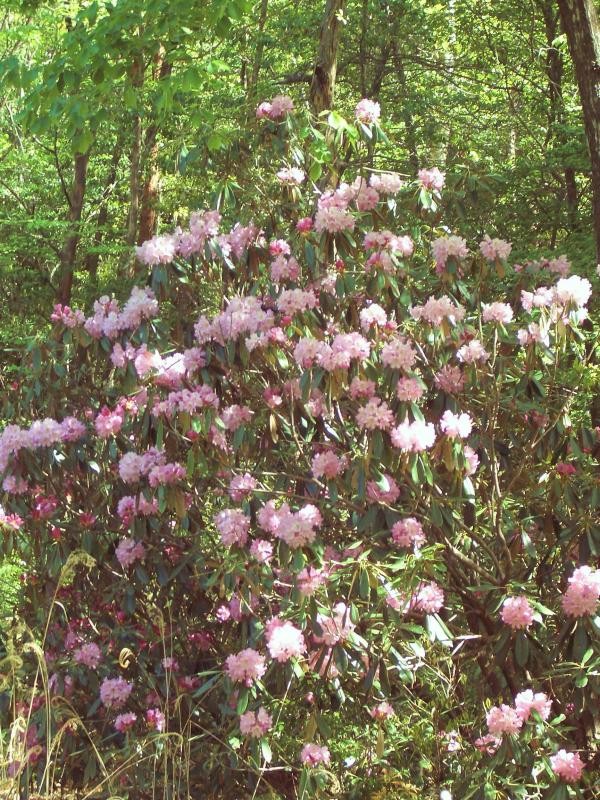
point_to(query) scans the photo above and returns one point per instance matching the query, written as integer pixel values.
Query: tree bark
(258, 53)
(322, 86)
(150, 190)
(409, 123)
(137, 80)
(92, 259)
(69, 251)
(554, 72)
(580, 23)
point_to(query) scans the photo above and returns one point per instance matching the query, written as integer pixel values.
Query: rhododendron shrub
(283, 516)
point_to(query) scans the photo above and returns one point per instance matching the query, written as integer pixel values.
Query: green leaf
(82, 142)
(265, 749)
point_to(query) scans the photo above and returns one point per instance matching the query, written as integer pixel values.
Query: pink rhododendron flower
(384, 491)
(246, 666)
(282, 269)
(108, 422)
(446, 247)
(456, 426)
(573, 291)
(241, 486)
(281, 105)
(409, 390)
(386, 182)
(67, 316)
(567, 766)
(166, 474)
(365, 196)
(432, 178)
(527, 701)
(382, 711)
(375, 414)
(291, 176)
(534, 333)
(362, 389)
(156, 719)
(235, 416)
(450, 379)
(310, 579)
(125, 721)
(408, 533)
(284, 640)
(313, 754)
(559, 266)
(472, 352)
(304, 225)
(335, 628)
(493, 249)
(72, 430)
(333, 220)
(294, 301)
(497, 312)
(428, 598)
(233, 526)
(413, 437)
(263, 110)
(157, 250)
(255, 723)
(129, 551)
(472, 460)
(583, 593)
(372, 316)
(517, 612)
(88, 654)
(435, 311)
(503, 719)
(261, 550)
(367, 111)
(398, 353)
(327, 465)
(114, 692)
(297, 529)
(488, 744)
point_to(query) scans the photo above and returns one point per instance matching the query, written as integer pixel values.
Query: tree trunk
(150, 190)
(580, 23)
(363, 47)
(322, 86)
(69, 251)
(92, 259)
(554, 72)
(409, 123)
(137, 80)
(258, 54)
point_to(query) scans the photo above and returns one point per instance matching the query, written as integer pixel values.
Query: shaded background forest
(118, 118)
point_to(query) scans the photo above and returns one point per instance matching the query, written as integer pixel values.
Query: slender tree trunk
(69, 251)
(149, 210)
(322, 86)
(572, 198)
(580, 23)
(150, 190)
(554, 72)
(137, 80)
(362, 47)
(92, 259)
(379, 71)
(258, 53)
(409, 123)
